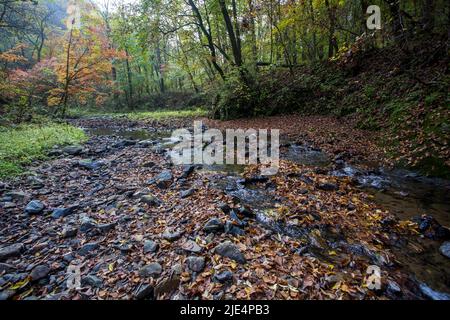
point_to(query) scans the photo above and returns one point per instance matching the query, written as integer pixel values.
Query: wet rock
(39, 272)
(433, 295)
(327, 186)
(69, 232)
(170, 235)
(150, 246)
(195, 264)
(35, 182)
(191, 246)
(17, 195)
(224, 276)
(125, 247)
(150, 200)
(34, 207)
(6, 294)
(143, 291)
(213, 225)
(151, 270)
(73, 150)
(393, 288)
(88, 248)
(91, 281)
(68, 257)
(246, 212)
(444, 249)
(230, 250)
(63, 212)
(146, 143)
(87, 225)
(187, 193)
(177, 269)
(13, 250)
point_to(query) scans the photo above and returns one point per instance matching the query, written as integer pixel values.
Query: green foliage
(22, 144)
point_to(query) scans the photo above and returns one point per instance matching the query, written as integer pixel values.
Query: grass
(141, 115)
(20, 145)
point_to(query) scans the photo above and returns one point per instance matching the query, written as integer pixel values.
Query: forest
(91, 90)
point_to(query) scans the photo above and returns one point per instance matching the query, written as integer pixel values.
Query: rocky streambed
(137, 227)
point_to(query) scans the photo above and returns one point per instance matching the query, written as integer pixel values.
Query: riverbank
(140, 228)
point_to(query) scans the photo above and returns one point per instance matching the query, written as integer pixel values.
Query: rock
(69, 232)
(13, 250)
(6, 294)
(17, 195)
(224, 207)
(68, 257)
(34, 207)
(143, 291)
(213, 225)
(393, 287)
(172, 235)
(177, 269)
(191, 246)
(246, 212)
(431, 228)
(433, 295)
(125, 247)
(149, 164)
(163, 180)
(90, 164)
(39, 272)
(73, 150)
(187, 193)
(88, 248)
(35, 182)
(230, 228)
(91, 281)
(445, 249)
(6, 268)
(167, 286)
(150, 200)
(145, 143)
(151, 270)
(230, 250)
(150, 246)
(87, 225)
(224, 276)
(187, 170)
(106, 227)
(327, 186)
(63, 212)
(195, 264)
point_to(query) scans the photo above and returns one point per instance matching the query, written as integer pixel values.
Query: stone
(230, 228)
(393, 287)
(444, 249)
(213, 225)
(143, 291)
(151, 270)
(87, 225)
(150, 200)
(63, 212)
(230, 250)
(69, 232)
(196, 264)
(177, 269)
(150, 246)
(34, 207)
(187, 193)
(164, 179)
(73, 150)
(191, 246)
(170, 235)
(432, 294)
(13, 250)
(224, 276)
(88, 248)
(106, 227)
(17, 195)
(224, 207)
(91, 281)
(91, 164)
(327, 186)
(187, 170)
(6, 268)
(39, 272)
